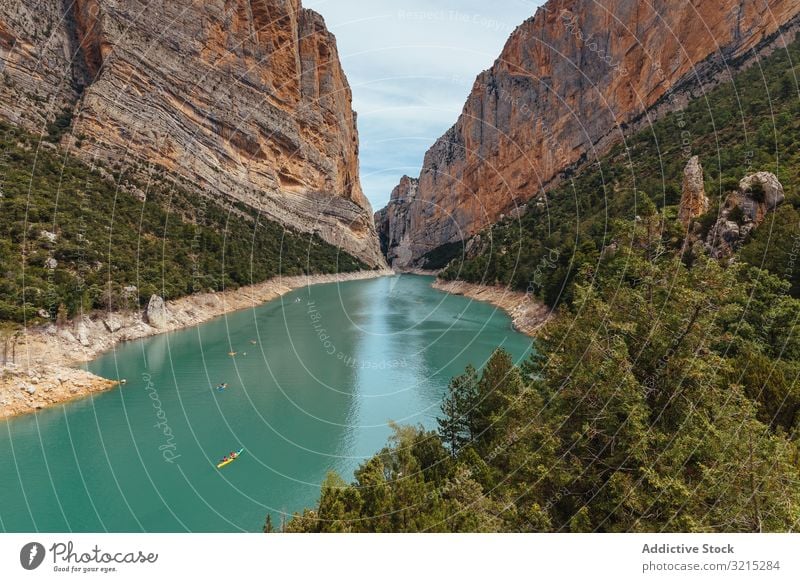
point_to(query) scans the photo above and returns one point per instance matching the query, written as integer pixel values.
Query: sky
(411, 64)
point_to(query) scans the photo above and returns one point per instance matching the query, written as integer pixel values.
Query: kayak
(229, 461)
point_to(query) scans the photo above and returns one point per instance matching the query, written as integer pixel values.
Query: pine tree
(500, 384)
(454, 425)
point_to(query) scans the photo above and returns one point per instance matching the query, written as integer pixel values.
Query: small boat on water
(221, 387)
(228, 459)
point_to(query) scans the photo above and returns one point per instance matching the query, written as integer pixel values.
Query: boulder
(743, 211)
(67, 336)
(773, 194)
(83, 335)
(113, 323)
(694, 202)
(156, 312)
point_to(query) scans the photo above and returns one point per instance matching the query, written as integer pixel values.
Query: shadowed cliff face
(567, 85)
(395, 216)
(242, 99)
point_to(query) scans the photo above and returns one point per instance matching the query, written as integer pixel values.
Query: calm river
(316, 378)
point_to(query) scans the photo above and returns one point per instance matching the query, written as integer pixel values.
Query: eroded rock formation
(694, 202)
(242, 99)
(568, 84)
(744, 210)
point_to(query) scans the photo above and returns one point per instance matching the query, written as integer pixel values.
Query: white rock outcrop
(156, 312)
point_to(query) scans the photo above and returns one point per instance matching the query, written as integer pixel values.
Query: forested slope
(750, 124)
(664, 394)
(75, 238)
(664, 399)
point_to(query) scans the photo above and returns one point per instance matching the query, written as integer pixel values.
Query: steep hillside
(570, 82)
(74, 239)
(749, 125)
(244, 100)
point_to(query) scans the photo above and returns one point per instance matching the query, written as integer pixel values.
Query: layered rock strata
(244, 100)
(569, 83)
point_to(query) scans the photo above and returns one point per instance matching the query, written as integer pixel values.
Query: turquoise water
(312, 388)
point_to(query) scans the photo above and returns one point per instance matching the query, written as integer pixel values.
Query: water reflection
(312, 387)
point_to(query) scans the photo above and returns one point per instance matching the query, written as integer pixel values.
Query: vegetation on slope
(664, 395)
(74, 238)
(664, 399)
(751, 124)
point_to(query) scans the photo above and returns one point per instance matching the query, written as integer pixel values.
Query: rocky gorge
(570, 83)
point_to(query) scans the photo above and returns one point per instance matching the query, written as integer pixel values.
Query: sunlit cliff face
(240, 99)
(561, 92)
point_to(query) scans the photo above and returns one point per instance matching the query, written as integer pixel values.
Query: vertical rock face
(244, 99)
(394, 223)
(38, 77)
(694, 202)
(566, 85)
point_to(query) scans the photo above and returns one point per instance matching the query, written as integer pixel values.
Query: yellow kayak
(229, 460)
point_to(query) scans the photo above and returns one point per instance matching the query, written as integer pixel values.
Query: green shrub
(737, 215)
(756, 191)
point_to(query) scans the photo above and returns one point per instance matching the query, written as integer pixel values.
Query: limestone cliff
(568, 84)
(394, 220)
(243, 99)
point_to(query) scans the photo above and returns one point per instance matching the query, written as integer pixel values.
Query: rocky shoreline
(527, 314)
(43, 371)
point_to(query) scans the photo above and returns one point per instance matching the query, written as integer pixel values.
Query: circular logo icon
(31, 555)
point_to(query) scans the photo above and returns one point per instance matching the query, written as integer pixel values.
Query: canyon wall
(244, 100)
(396, 216)
(568, 84)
